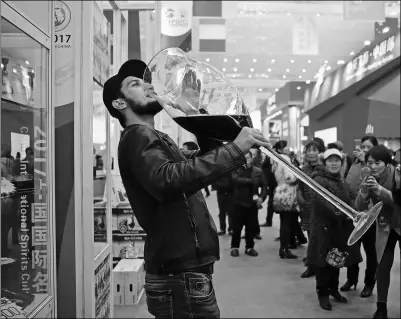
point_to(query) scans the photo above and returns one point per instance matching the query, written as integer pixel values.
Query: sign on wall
(101, 45)
(102, 289)
(366, 62)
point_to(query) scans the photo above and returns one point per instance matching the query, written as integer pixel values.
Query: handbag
(285, 198)
(336, 258)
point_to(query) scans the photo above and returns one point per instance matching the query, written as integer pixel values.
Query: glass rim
(147, 69)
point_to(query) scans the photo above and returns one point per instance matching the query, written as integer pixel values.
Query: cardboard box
(128, 281)
(134, 244)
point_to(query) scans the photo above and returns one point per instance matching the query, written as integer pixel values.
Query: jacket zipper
(193, 224)
(210, 224)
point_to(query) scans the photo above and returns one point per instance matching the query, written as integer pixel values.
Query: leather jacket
(164, 189)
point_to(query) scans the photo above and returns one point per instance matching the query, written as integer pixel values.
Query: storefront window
(25, 241)
(100, 167)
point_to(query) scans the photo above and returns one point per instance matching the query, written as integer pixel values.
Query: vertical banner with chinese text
(305, 37)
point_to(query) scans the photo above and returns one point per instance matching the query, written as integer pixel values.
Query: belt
(205, 269)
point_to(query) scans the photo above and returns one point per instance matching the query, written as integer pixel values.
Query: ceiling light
(250, 75)
(288, 13)
(340, 62)
(284, 76)
(235, 69)
(304, 70)
(307, 81)
(273, 61)
(225, 59)
(292, 61)
(236, 60)
(309, 61)
(366, 42)
(276, 90)
(260, 90)
(318, 14)
(255, 60)
(352, 53)
(269, 70)
(300, 77)
(385, 30)
(298, 88)
(287, 70)
(27, 62)
(252, 69)
(328, 68)
(223, 69)
(207, 59)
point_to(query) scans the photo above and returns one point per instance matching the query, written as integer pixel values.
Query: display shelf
(16, 103)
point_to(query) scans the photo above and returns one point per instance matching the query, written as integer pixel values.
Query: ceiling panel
(259, 44)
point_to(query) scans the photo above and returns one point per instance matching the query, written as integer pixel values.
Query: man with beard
(163, 186)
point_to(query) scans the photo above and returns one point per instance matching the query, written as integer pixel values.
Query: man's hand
(191, 88)
(249, 137)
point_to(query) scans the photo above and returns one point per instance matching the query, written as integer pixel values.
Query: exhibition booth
(361, 97)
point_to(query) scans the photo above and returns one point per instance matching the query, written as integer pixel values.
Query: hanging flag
(176, 24)
(208, 8)
(212, 35)
(305, 39)
(364, 10)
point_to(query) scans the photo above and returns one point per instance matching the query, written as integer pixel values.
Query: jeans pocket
(160, 302)
(200, 286)
(201, 296)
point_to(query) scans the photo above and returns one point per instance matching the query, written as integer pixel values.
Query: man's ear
(119, 104)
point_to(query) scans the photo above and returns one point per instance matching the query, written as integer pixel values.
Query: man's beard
(151, 108)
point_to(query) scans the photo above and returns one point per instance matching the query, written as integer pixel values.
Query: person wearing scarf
(368, 240)
(376, 188)
(330, 229)
(305, 194)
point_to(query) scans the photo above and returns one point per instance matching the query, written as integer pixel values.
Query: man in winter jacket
(163, 187)
(250, 191)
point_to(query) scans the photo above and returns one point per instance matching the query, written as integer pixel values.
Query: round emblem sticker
(62, 16)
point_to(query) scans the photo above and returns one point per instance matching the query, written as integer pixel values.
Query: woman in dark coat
(378, 188)
(305, 194)
(368, 240)
(330, 229)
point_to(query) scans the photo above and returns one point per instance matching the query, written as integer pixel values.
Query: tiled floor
(267, 286)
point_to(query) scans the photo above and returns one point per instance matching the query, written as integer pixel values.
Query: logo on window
(62, 16)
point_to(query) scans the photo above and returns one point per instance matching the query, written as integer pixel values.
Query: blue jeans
(182, 295)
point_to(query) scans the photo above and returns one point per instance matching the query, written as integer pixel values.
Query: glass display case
(26, 214)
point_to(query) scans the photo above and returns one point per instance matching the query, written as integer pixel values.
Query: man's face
(140, 96)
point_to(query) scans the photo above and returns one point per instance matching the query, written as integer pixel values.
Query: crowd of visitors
(369, 175)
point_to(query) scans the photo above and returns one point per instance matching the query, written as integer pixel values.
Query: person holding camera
(355, 177)
(379, 188)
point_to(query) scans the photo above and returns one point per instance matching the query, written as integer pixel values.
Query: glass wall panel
(100, 168)
(25, 242)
